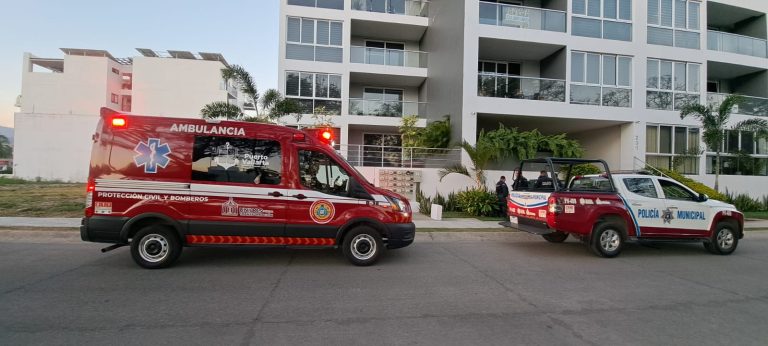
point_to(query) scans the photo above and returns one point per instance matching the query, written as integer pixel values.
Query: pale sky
(245, 32)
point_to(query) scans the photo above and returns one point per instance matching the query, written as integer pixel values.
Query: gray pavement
(496, 288)
(421, 221)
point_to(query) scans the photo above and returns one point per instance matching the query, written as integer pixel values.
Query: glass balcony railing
(516, 87)
(522, 17)
(749, 105)
(380, 108)
(389, 57)
(732, 43)
(417, 8)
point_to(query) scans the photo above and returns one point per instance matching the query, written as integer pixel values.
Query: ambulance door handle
(276, 194)
(299, 196)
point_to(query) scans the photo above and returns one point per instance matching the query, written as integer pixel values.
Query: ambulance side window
(236, 160)
(319, 172)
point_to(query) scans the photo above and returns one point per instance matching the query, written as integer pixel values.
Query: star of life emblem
(152, 154)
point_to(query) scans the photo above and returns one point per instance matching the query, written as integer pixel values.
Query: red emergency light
(119, 122)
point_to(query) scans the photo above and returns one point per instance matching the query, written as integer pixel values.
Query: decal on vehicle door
(151, 155)
(322, 211)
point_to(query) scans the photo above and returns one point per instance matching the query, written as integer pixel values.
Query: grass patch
(756, 215)
(41, 199)
(470, 230)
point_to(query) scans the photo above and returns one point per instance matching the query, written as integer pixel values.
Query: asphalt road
(449, 289)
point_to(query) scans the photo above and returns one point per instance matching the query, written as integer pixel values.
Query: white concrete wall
(175, 87)
(80, 89)
(53, 146)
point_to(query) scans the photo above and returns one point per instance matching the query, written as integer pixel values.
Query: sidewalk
(420, 221)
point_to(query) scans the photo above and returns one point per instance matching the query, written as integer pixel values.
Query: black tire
(725, 239)
(607, 239)
(555, 237)
(155, 247)
(708, 246)
(362, 246)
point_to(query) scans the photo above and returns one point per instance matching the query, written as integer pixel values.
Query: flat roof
(175, 54)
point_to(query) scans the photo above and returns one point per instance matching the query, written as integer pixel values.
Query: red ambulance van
(160, 184)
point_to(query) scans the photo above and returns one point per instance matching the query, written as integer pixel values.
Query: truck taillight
(89, 199)
(554, 207)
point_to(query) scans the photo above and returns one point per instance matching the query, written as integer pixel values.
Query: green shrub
(695, 185)
(582, 169)
(744, 202)
(425, 203)
(451, 203)
(439, 199)
(478, 202)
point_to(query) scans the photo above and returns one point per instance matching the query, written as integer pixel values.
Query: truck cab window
(641, 186)
(675, 191)
(236, 160)
(319, 172)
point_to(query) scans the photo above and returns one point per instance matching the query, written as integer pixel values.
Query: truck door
(241, 186)
(320, 204)
(645, 204)
(684, 214)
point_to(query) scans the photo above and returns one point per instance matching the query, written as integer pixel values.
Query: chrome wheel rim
(610, 240)
(363, 246)
(153, 248)
(725, 239)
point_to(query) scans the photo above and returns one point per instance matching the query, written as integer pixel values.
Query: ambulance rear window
(237, 160)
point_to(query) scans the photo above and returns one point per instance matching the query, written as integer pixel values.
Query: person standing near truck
(502, 192)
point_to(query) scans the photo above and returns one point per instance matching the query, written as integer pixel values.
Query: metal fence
(389, 156)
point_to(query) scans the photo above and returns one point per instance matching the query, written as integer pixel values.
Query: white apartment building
(610, 73)
(61, 99)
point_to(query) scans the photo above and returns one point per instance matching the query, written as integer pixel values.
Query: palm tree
(220, 109)
(6, 151)
(274, 105)
(714, 120)
(244, 81)
(481, 155)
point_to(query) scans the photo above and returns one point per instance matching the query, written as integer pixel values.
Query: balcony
(416, 8)
(388, 57)
(393, 156)
(750, 105)
(522, 17)
(380, 108)
(738, 44)
(518, 87)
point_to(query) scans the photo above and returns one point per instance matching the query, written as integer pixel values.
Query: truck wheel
(362, 246)
(155, 247)
(607, 240)
(555, 237)
(725, 239)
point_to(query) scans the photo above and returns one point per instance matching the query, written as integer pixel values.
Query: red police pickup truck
(606, 210)
(160, 184)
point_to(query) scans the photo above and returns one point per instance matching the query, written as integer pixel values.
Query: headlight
(398, 204)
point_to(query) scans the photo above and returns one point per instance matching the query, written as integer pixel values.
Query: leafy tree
(409, 132)
(6, 151)
(437, 134)
(220, 109)
(714, 120)
(523, 145)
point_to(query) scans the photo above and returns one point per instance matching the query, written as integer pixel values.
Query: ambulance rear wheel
(155, 247)
(555, 237)
(607, 239)
(362, 246)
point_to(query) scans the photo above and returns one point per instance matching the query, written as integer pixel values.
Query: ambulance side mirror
(703, 198)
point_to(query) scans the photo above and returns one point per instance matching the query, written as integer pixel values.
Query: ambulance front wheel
(155, 247)
(362, 246)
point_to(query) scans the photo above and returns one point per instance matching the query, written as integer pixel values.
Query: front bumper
(400, 235)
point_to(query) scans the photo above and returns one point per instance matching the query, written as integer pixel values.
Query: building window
(674, 23)
(601, 79)
(313, 40)
(743, 154)
(236, 160)
(672, 84)
(114, 98)
(673, 147)
(332, 4)
(608, 19)
(315, 92)
(115, 71)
